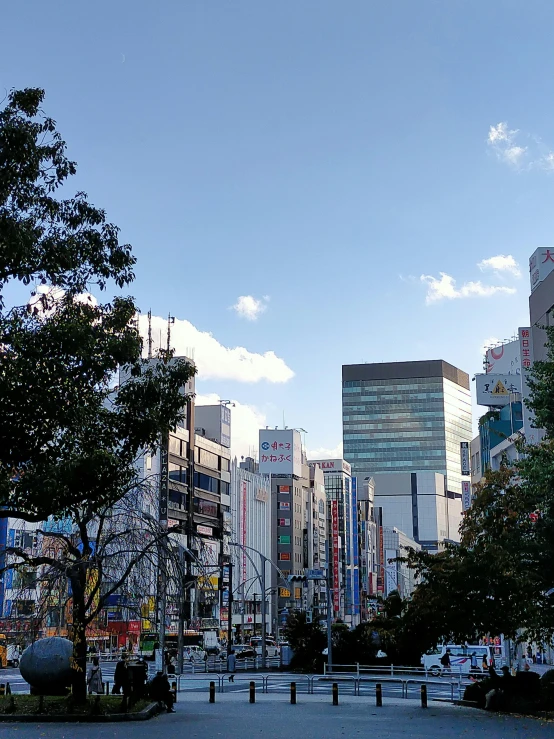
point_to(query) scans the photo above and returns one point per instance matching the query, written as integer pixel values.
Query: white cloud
(502, 139)
(325, 453)
(213, 360)
(46, 299)
(501, 133)
(246, 421)
(445, 289)
(501, 263)
(249, 307)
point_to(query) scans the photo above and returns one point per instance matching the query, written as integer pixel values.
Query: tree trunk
(79, 661)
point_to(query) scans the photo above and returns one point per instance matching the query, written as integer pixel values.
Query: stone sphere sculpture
(46, 665)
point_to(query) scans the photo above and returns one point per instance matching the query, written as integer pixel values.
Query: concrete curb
(38, 718)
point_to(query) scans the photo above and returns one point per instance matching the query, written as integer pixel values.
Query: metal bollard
(335, 694)
(378, 695)
(424, 696)
(212, 691)
(293, 693)
(2, 689)
(252, 691)
(8, 689)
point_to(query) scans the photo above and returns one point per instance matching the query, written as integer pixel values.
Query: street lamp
(261, 577)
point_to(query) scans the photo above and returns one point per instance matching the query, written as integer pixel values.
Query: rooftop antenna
(149, 334)
(170, 320)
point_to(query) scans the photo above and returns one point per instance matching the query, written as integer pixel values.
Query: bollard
(212, 691)
(174, 690)
(252, 691)
(8, 689)
(2, 689)
(378, 695)
(293, 693)
(335, 694)
(424, 696)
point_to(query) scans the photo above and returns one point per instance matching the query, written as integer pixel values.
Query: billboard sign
(496, 390)
(244, 496)
(280, 452)
(466, 495)
(332, 465)
(541, 264)
(464, 458)
(503, 359)
(526, 351)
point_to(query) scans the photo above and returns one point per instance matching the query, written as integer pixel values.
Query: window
(208, 459)
(178, 473)
(175, 445)
(225, 464)
(224, 487)
(205, 482)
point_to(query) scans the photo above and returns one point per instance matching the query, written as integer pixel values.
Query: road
(272, 717)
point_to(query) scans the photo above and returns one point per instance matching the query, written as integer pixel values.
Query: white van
(460, 658)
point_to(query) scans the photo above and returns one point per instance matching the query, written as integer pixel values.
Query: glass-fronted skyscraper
(406, 417)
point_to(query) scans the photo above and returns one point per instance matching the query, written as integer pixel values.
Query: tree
(500, 578)
(69, 439)
(307, 641)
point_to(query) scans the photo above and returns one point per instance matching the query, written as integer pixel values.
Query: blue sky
(316, 158)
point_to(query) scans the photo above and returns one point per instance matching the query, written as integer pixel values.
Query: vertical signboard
(391, 571)
(335, 533)
(355, 549)
(466, 495)
(541, 264)
(164, 480)
(464, 458)
(526, 353)
(244, 495)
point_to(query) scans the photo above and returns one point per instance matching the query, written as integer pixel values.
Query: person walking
(121, 677)
(445, 662)
(160, 691)
(231, 665)
(94, 677)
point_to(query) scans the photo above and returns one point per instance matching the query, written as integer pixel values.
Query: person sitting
(160, 691)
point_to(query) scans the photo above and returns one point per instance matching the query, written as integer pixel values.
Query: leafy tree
(69, 439)
(307, 641)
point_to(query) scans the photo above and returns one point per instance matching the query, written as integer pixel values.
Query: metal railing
(391, 670)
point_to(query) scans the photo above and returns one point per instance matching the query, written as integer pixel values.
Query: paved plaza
(272, 717)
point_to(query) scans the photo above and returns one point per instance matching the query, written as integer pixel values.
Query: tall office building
(409, 418)
(406, 417)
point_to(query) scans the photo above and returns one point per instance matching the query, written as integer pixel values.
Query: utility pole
(264, 649)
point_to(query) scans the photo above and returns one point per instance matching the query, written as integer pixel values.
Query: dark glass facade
(399, 423)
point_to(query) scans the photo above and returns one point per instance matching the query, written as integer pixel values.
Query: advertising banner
(503, 359)
(244, 494)
(465, 458)
(280, 452)
(496, 390)
(335, 539)
(466, 495)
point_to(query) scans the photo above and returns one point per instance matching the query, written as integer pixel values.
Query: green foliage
(307, 641)
(66, 439)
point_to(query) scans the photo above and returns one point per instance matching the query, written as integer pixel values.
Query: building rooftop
(405, 371)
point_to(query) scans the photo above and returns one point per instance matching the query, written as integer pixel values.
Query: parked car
(244, 651)
(193, 654)
(271, 648)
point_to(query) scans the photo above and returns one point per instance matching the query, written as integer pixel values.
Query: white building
(418, 504)
(251, 529)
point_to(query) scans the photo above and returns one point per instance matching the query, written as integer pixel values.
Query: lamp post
(261, 578)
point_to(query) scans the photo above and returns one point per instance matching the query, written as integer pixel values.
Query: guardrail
(387, 670)
(305, 683)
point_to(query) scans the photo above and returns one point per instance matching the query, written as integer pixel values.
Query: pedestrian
(160, 691)
(94, 677)
(231, 665)
(484, 663)
(445, 661)
(121, 677)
